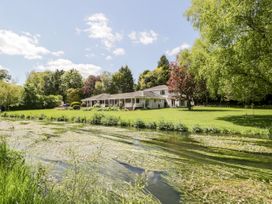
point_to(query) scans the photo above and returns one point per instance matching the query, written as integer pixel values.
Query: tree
(192, 61)
(89, 85)
(237, 36)
(162, 71)
(71, 80)
(123, 80)
(181, 83)
(31, 99)
(4, 75)
(73, 95)
(146, 80)
(37, 81)
(53, 83)
(159, 76)
(10, 94)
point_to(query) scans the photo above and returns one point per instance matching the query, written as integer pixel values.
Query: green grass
(244, 121)
(18, 184)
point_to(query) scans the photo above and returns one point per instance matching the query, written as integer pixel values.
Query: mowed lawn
(235, 119)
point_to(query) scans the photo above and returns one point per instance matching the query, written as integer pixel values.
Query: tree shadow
(207, 110)
(259, 121)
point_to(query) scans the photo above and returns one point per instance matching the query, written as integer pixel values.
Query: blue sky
(91, 35)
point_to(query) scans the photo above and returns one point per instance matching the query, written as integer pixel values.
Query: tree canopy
(123, 80)
(235, 47)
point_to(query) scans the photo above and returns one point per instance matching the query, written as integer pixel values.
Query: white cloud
(65, 64)
(26, 45)
(109, 57)
(99, 29)
(145, 38)
(1, 67)
(58, 53)
(119, 52)
(175, 51)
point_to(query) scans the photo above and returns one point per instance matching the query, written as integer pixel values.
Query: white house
(155, 97)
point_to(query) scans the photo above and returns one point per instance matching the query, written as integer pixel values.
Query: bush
(124, 123)
(197, 129)
(62, 119)
(270, 133)
(42, 117)
(110, 121)
(76, 107)
(166, 126)
(181, 128)
(139, 124)
(75, 103)
(96, 119)
(151, 125)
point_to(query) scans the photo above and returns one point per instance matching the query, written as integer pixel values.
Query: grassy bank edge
(108, 120)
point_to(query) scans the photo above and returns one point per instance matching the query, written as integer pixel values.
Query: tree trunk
(189, 106)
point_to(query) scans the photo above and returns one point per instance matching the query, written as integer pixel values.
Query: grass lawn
(245, 121)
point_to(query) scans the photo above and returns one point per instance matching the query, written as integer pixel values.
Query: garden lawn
(245, 121)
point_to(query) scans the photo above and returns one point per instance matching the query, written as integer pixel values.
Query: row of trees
(230, 61)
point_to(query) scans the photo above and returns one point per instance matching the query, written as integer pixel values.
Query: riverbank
(200, 120)
(196, 168)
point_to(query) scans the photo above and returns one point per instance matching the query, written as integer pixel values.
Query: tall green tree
(146, 80)
(71, 80)
(37, 81)
(73, 95)
(123, 80)
(159, 76)
(238, 40)
(162, 71)
(53, 83)
(10, 94)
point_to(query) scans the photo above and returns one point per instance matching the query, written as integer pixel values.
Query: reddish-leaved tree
(181, 83)
(89, 85)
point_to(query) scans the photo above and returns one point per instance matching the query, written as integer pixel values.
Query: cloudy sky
(91, 35)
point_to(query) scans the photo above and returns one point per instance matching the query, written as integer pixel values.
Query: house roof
(97, 97)
(136, 94)
(157, 88)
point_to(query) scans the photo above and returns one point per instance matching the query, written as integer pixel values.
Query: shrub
(151, 125)
(76, 119)
(124, 123)
(62, 119)
(4, 115)
(42, 117)
(96, 119)
(110, 121)
(76, 107)
(139, 124)
(270, 133)
(75, 103)
(166, 126)
(225, 131)
(181, 128)
(197, 129)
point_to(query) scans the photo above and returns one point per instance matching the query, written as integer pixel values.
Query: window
(162, 92)
(128, 100)
(137, 100)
